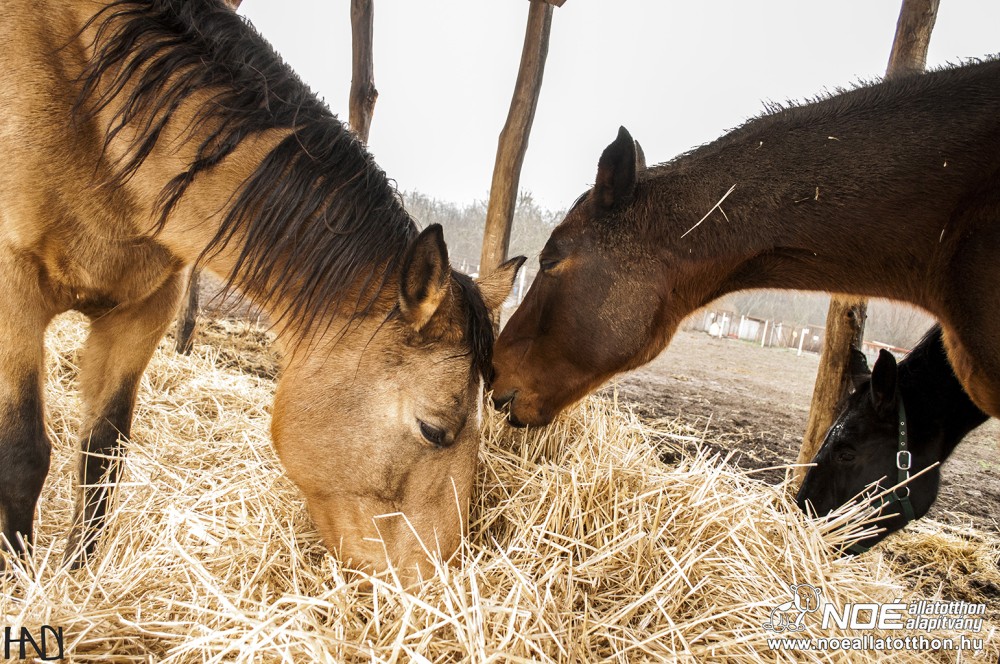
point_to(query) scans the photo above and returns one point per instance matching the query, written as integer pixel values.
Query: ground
(757, 401)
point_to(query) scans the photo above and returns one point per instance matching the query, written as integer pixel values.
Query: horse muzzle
(523, 409)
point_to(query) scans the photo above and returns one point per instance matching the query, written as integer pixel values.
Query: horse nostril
(504, 399)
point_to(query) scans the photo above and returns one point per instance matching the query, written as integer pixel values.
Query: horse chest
(95, 277)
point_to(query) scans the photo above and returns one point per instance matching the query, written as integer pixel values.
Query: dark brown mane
(479, 334)
(317, 219)
(860, 98)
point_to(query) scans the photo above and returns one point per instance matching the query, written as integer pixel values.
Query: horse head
(378, 424)
(860, 454)
(597, 306)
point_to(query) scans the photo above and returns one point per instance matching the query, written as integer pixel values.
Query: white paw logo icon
(788, 616)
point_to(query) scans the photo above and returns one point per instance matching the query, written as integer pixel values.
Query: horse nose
(501, 400)
(506, 401)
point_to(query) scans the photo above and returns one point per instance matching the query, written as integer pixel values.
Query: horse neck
(770, 231)
(199, 214)
(196, 220)
(938, 408)
(853, 194)
(261, 184)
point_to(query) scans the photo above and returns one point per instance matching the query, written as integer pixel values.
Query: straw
(584, 545)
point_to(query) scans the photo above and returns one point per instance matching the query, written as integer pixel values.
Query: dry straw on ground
(584, 545)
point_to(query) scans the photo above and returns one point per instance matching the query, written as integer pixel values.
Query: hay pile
(585, 546)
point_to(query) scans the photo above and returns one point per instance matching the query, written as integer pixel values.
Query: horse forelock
(478, 326)
(322, 228)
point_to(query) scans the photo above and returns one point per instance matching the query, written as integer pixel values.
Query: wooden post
(187, 317)
(363, 92)
(845, 320)
(514, 137)
(913, 36)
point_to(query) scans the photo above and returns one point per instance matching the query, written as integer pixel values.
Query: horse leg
(116, 353)
(24, 447)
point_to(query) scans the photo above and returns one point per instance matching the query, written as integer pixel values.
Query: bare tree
(514, 137)
(363, 92)
(845, 321)
(896, 323)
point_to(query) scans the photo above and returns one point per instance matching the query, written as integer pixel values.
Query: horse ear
(858, 368)
(423, 282)
(616, 172)
(640, 158)
(883, 386)
(496, 286)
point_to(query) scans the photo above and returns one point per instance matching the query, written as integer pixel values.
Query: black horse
(898, 422)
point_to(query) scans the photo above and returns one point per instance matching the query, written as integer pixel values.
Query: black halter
(901, 495)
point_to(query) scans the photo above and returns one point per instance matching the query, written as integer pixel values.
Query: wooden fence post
(514, 137)
(363, 92)
(845, 320)
(187, 317)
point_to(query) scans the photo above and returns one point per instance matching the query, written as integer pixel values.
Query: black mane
(318, 219)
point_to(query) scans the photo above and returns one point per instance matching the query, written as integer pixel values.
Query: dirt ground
(756, 400)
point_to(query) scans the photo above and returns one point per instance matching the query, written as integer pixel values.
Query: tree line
(463, 227)
(894, 323)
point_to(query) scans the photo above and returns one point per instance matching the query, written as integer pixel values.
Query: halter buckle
(905, 495)
(904, 460)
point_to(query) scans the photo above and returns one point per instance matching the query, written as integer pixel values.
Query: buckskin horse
(886, 190)
(898, 423)
(139, 137)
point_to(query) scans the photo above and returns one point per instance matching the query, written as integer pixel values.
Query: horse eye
(432, 435)
(547, 264)
(845, 457)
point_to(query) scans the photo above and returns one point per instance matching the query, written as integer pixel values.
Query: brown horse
(139, 137)
(887, 190)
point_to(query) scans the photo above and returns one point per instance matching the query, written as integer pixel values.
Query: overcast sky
(676, 74)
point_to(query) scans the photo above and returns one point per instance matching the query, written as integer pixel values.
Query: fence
(768, 333)
(726, 324)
